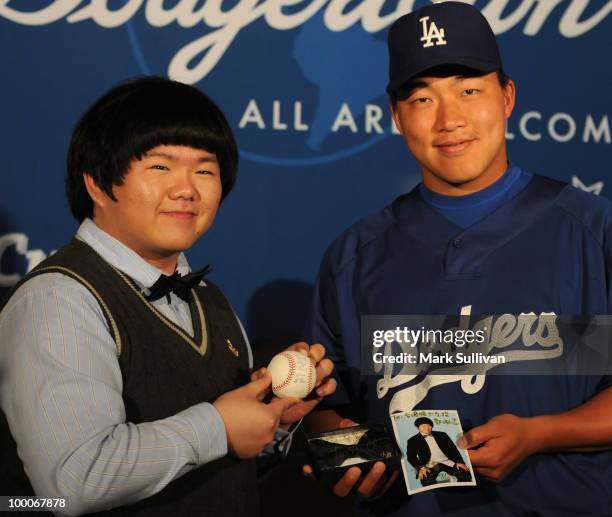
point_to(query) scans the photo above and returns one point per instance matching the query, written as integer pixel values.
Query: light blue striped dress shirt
(60, 388)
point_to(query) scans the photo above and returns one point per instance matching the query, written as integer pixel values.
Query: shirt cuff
(282, 442)
(210, 431)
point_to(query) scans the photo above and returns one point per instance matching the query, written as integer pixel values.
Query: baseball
(293, 375)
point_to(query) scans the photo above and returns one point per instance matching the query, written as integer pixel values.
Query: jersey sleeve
(606, 381)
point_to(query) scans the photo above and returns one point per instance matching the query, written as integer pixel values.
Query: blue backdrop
(302, 83)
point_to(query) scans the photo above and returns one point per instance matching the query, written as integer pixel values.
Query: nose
(450, 116)
(183, 187)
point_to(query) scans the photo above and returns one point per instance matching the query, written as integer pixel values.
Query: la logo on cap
(432, 33)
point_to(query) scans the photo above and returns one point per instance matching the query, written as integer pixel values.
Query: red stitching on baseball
(310, 377)
(290, 375)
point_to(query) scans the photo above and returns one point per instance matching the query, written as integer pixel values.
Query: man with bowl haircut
(125, 377)
(479, 235)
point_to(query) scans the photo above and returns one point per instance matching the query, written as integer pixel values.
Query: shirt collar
(123, 258)
(485, 196)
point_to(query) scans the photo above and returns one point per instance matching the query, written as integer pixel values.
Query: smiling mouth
(454, 147)
(180, 215)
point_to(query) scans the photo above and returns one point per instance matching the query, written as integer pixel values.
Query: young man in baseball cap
(479, 235)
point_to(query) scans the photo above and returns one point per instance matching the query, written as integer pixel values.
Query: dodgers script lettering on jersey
(196, 59)
(528, 328)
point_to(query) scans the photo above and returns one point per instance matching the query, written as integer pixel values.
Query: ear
(509, 97)
(396, 119)
(99, 197)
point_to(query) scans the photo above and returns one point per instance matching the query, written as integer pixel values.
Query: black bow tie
(179, 285)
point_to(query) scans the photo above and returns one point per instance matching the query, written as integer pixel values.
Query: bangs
(179, 123)
(151, 120)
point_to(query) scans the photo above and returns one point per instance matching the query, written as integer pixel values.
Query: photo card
(430, 456)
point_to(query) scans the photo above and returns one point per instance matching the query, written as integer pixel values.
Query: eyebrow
(202, 159)
(415, 84)
(422, 83)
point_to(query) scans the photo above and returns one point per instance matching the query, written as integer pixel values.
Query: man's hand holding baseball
(250, 424)
(324, 386)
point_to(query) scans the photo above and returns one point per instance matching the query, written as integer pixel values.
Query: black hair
(423, 420)
(134, 117)
(404, 91)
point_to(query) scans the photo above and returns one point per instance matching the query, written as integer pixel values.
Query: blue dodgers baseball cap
(447, 33)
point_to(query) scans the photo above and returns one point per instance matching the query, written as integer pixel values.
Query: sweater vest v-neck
(165, 371)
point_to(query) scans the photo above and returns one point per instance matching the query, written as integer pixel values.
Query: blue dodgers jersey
(548, 249)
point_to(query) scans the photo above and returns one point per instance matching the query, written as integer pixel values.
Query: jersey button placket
(458, 260)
